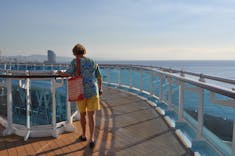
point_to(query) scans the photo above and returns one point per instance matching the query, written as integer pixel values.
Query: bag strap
(78, 68)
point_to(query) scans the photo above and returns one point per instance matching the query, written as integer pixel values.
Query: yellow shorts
(90, 104)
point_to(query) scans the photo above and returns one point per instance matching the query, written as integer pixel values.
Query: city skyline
(120, 30)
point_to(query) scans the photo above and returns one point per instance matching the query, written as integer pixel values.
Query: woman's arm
(100, 85)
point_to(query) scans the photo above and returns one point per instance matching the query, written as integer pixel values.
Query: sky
(120, 29)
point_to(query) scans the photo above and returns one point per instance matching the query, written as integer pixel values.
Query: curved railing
(200, 107)
(36, 103)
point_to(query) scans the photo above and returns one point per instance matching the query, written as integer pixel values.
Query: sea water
(225, 69)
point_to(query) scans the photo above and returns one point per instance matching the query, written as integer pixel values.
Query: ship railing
(37, 104)
(32, 66)
(187, 101)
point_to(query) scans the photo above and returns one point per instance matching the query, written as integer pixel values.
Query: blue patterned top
(90, 73)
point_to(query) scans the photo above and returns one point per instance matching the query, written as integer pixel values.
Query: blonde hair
(79, 49)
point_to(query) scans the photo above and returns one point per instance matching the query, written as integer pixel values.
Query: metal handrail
(180, 78)
(215, 88)
(31, 76)
(170, 70)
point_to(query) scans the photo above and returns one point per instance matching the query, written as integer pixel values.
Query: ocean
(219, 68)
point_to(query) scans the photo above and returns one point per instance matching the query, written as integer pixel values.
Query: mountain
(33, 59)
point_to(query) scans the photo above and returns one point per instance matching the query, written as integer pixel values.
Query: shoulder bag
(75, 84)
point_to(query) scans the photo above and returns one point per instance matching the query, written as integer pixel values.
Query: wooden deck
(126, 126)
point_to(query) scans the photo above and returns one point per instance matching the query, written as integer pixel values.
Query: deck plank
(126, 125)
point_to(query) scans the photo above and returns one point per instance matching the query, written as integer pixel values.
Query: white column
(141, 80)
(169, 94)
(200, 114)
(69, 123)
(53, 90)
(119, 76)
(152, 85)
(9, 129)
(109, 74)
(160, 89)
(130, 68)
(28, 101)
(181, 99)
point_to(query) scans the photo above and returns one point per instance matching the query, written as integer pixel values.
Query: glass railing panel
(165, 87)
(18, 103)
(175, 95)
(147, 80)
(64, 67)
(191, 105)
(38, 67)
(73, 106)
(218, 123)
(22, 67)
(30, 67)
(8, 66)
(136, 78)
(2, 66)
(47, 67)
(156, 83)
(61, 101)
(41, 102)
(56, 67)
(114, 75)
(105, 73)
(14, 67)
(125, 76)
(175, 98)
(3, 102)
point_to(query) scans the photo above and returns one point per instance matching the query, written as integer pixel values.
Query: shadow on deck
(126, 125)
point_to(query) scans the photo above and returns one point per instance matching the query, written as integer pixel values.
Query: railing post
(119, 76)
(181, 99)
(109, 74)
(160, 89)
(69, 125)
(200, 114)
(152, 85)
(169, 94)
(130, 67)
(9, 107)
(141, 79)
(28, 101)
(68, 105)
(53, 90)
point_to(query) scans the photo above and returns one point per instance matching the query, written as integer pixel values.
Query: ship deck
(126, 125)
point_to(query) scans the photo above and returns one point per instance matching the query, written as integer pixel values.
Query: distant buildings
(51, 57)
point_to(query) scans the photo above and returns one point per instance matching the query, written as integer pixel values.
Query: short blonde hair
(79, 49)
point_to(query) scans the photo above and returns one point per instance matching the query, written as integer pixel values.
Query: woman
(90, 104)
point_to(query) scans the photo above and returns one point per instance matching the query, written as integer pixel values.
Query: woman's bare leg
(91, 117)
(83, 123)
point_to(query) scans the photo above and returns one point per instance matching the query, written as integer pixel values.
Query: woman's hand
(62, 73)
(100, 92)
(59, 72)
